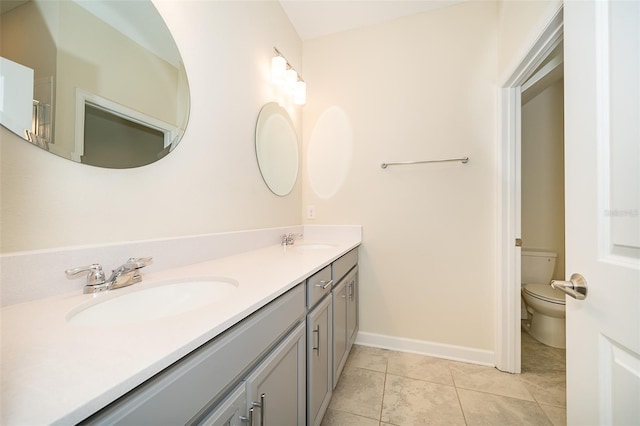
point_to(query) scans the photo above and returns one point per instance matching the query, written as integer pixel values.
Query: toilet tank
(537, 266)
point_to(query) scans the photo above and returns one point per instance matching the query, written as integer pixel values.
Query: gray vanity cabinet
(232, 411)
(345, 310)
(339, 329)
(319, 361)
(352, 307)
(276, 388)
(274, 392)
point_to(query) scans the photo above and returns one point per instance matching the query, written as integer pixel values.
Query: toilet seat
(545, 292)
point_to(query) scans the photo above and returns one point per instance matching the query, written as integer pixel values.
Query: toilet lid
(545, 292)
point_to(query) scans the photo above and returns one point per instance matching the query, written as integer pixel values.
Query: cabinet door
(339, 329)
(276, 388)
(352, 308)
(319, 365)
(231, 412)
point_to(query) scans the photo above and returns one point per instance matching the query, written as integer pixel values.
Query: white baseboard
(438, 350)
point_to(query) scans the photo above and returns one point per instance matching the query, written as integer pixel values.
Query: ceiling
(317, 18)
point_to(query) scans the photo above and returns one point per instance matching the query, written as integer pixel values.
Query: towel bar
(463, 160)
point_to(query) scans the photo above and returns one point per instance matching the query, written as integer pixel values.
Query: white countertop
(56, 372)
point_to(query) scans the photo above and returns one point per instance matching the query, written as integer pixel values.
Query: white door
(602, 166)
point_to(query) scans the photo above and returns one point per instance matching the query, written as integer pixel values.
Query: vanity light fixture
(283, 74)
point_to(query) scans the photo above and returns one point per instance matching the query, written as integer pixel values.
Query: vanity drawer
(344, 264)
(318, 286)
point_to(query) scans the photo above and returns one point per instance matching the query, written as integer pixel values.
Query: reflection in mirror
(70, 65)
(277, 149)
(115, 142)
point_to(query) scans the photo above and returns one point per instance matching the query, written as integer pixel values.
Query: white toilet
(545, 305)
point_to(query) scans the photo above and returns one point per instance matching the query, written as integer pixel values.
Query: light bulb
(278, 68)
(300, 95)
(290, 79)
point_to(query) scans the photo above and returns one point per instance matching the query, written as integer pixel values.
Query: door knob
(576, 287)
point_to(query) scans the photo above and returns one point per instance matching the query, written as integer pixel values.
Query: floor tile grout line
(453, 380)
(384, 388)
(545, 414)
(454, 385)
(421, 380)
(499, 394)
(564, 407)
(352, 413)
(543, 403)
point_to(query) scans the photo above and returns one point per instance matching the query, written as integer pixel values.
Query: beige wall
(543, 173)
(210, 183)
(417, 88)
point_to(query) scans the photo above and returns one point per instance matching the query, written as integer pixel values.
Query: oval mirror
(99, 82)
(277, 148)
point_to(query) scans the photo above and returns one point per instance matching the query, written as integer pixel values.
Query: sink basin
(152, 303)
(312, 246)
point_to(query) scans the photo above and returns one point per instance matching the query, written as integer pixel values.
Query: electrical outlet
(311, 212)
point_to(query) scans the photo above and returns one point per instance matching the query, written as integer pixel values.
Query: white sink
(152, 303)
(312, 246)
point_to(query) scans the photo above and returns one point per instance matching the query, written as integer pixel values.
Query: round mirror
(277, 149)
(99, 82)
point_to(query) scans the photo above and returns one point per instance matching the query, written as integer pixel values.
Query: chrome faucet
(123, 276)
(289, 239)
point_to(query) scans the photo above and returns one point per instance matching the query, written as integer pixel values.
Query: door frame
(508, 312)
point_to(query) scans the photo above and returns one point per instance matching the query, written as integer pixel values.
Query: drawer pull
(317, 347)
(261, 405)
(324, 284)
(263, 408)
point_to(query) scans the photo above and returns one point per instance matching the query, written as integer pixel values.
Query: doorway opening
(508, 302)
(542, 221)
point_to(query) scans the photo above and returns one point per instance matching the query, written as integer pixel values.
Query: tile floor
(380, 387)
